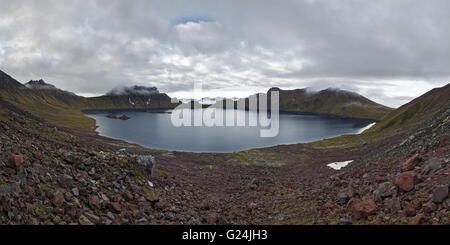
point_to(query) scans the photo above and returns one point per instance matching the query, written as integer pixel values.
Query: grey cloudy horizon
(389, 50)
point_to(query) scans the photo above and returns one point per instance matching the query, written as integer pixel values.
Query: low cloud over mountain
(134, 90)
(389, 51)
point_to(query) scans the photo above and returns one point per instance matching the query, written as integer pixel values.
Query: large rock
(83, 220)
(384, 189)
(69, 157)
(411, 163)
(147, 163)
(16, 161)
(440, 194)
(410, 210)
(94, 202)
(434, 164)
(418, 220)
(142, 221)
(361, 209)
(428, 207)
(58, 199)
(75, 191)
(342, 198)
(405, 181)
(160, 205)
(212, 218)
(115, 206)
(393, 205)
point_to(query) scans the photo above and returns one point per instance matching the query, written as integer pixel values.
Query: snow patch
(131, 102)
(339, 165)
(366, 128)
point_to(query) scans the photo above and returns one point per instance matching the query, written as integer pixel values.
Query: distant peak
(40, 84)
(133, 90)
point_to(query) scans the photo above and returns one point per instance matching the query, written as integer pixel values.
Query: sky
(387, 50)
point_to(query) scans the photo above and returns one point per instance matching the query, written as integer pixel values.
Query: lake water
(156, 131)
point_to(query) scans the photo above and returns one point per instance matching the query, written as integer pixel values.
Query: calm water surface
(155, 130)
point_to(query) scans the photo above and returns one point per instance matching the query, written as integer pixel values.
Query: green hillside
(331, 102)
(415, 111)
(400, 120)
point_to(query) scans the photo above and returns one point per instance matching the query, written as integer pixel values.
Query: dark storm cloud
(388, 50)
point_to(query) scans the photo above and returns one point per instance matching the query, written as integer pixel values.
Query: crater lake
(156, 131)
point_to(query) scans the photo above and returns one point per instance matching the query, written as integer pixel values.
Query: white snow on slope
(339, 165)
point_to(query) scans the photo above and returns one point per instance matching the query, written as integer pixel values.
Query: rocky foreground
(53, 176)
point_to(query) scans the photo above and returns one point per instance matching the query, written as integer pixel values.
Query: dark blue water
(155, 130)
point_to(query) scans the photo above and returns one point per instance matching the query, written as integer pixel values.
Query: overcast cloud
(388, 50)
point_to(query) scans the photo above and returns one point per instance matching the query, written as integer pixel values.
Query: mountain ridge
(62, 107)
(330, 101)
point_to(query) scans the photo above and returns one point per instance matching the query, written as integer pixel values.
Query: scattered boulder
(343, 198)
(111, 216)
(128, 196)
(83, 220)
(417, 220)
(116, 207)
(142, 221)
(428, 207)
(93, 218)
(58, 199)
(251, 206)
(345, 221)
(160, 205)
(433, 164)
(384, 189)
(94, 201)
(66, 180)
(212, 218)
(38, 156)
(440, 194)
(362, 209)
(75, 191)
(69, 157)
(393, 205)
(16, 161)
(411, 163)
(147, 163)
(405, 181)
(410, 210)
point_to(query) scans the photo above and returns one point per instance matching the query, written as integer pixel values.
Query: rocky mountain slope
(48, 176)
